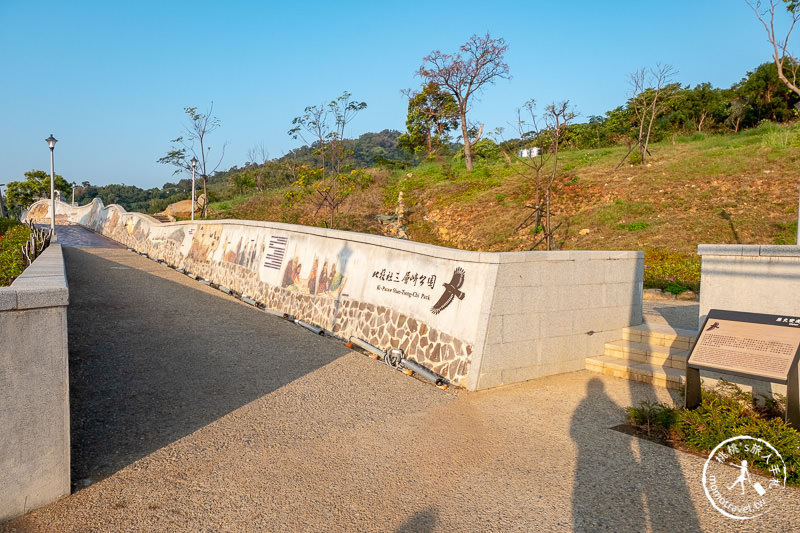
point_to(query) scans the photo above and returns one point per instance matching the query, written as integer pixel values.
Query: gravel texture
(194, 412)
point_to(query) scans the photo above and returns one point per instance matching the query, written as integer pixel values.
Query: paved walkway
(80, 237)
(257, 425)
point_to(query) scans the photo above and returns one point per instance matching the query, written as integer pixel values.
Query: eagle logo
(451, 291)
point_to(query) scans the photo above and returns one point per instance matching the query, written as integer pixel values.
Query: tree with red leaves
(480, 61)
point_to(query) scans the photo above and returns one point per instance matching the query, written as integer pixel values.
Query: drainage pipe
(426, 373)
(367, 346)
(310, 327)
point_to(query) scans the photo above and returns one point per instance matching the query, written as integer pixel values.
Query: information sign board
(754, 345)
(748, 344)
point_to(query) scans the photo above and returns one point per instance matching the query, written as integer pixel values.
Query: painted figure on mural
(296, 276)
(288, 273)
(322, 285)
(312, 278)
(205, 242)
(335, 279)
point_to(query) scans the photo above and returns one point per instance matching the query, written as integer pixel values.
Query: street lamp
(52, 142)
(194, 166)
(73, 193)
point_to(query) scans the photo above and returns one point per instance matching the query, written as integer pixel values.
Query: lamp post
(194, 166)
(73, 193)
(2, 209)
(52, 142)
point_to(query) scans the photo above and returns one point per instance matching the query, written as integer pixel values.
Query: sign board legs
(693, 393)
(793, 398)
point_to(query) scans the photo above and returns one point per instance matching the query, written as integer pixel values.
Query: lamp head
(51, 141)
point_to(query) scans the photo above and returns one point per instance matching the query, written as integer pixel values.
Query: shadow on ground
(155, 356)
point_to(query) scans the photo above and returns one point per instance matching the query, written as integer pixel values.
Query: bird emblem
(713, 326)
(451, 291)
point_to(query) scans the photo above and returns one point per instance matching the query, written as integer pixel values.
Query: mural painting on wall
(446, 296)
(243, 253)
(136, 228)
(329, 280)
(205, 241)
(39, 210)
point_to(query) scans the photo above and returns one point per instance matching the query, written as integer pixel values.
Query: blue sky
(110, 79)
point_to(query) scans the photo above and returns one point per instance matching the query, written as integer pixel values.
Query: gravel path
(258, 425)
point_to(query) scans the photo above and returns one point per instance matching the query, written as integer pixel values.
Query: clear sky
(110, 79)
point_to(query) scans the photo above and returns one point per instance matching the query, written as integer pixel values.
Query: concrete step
(661, 334)
(640, 352)
(650, 353)
(666, 377)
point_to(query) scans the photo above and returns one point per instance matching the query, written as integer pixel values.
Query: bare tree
(541, 165)
(780, 55)
(480, 62)
(335, 179)
(259, 156)
(648, 101)
(194, 143)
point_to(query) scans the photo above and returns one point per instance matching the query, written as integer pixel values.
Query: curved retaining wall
(479, 319)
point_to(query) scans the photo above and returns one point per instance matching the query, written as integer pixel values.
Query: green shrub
(653, 417)
(675, 288)
(6, 224)
(725, 412)
(11, 261)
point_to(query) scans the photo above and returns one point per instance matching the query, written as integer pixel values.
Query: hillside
(736, 188)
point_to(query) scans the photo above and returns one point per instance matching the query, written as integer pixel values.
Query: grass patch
(671, 271)
(615, 213)
(636, 226)
(786, 233)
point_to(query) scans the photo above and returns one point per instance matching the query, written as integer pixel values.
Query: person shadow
(667, 497)
(608, 493)
(614, 490)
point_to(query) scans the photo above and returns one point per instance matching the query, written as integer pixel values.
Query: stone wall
(34, 387)
(750, 278)
(551, 310)
(754, 279)
(478, 319)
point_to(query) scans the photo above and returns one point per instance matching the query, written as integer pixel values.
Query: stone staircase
(650, 353)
